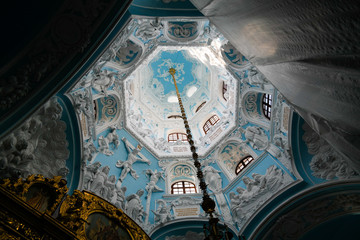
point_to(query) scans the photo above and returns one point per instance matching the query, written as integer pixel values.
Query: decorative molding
(162, 214)
(132, 157)
(134, 207)
(326, 162)
(37, 191)
(96, 180)
(182, 31)
(256, 137)
(258, 191)
(104, 142)
(233, 57)
(76, 211)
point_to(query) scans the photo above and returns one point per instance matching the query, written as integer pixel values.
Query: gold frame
(20, 187)
(76, 209)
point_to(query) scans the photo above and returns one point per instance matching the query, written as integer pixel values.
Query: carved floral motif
(326, 163)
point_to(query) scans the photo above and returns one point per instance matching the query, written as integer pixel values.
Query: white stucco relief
(258, 189)
(38, 146)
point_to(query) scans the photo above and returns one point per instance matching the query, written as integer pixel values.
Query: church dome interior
(276, 140)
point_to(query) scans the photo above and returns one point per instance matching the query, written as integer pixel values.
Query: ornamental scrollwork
(77, 210)
(182, 31)
(43, 194)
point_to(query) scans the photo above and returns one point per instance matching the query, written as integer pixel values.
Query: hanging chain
(208, 205)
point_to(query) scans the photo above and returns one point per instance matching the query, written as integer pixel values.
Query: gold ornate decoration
(76, 210)
(12, 224)
(26, 205)
(43, 194)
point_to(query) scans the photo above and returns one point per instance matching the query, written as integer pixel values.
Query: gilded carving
(14, 225)
(76, 210)
(43, 194)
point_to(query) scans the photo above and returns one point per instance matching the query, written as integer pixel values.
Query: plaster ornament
(161, 144)
(211, 33)
(282, 155)
(184, 32)
(256, 137)
(119, 200)
(257, 78)
(258, 190)
(233, 57)
(128, 54)
(104, 142)
(89, 151)
(154, 178)
(213, 179)
(109, 188)
(83, 104)
(98, 184)
(162, 214)
(102, 81)
(119, 42)
(185, 201)
(38, 146)
(149, 29)
(96, 180)
(134, 207)
(89, 174)
(326, 163)
(131, 159)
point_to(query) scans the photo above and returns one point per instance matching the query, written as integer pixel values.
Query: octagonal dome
(152, 108)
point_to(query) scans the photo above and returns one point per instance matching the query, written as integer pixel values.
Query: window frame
(183, 187)
(210, 122)
(179, 135)
(266, 105)
(175, 117)
(224, 90)
(244, 162)
(200, 106)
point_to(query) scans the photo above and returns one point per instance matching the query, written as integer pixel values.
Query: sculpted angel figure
(154, 178)
(131, 159)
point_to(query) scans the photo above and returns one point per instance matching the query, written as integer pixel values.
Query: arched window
(173, 137)
(224, 90)
(210, 122)
(174, 116)
(266, 105)
(243, 163)
(183, 187)
(199, 107)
